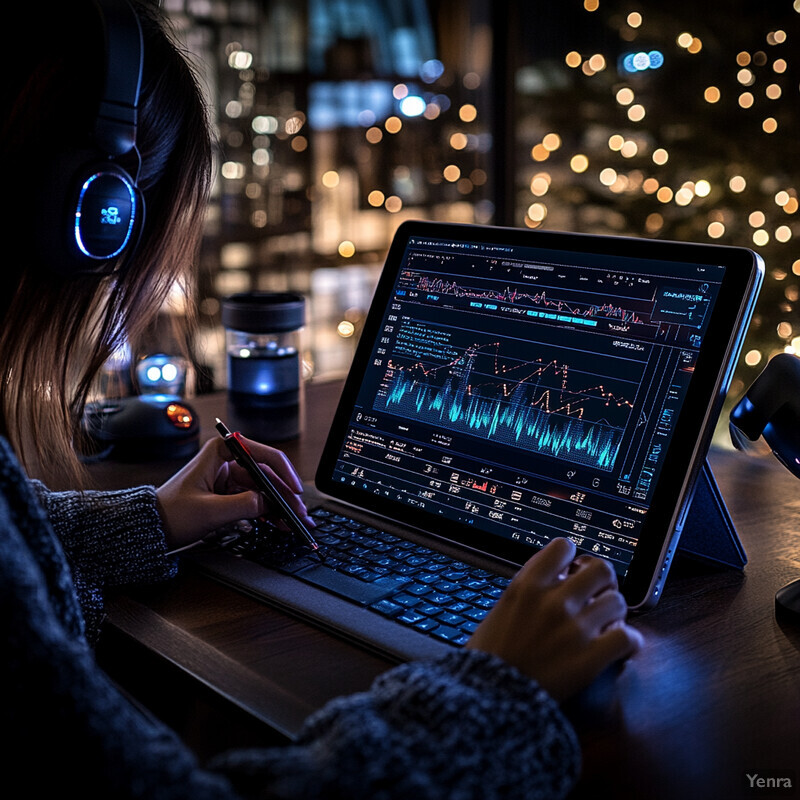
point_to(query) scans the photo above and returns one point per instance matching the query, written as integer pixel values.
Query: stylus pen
(264, 484)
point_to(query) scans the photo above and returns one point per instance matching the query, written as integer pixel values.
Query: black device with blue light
(509, 387)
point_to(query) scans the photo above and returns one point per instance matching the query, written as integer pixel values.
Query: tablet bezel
(693, 429)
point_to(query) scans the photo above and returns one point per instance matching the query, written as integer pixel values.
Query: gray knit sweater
(464, 726)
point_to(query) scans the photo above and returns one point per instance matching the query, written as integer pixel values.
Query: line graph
(545, 405)
(508, 294)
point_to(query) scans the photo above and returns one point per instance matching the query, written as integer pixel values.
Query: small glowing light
(295, 123)
(591, 5)
(451, 173)
(467, 112)
(745, 99)
(684, 40)
(783, 233)
(654, 222)
(791, 206)
(779, 65)
(540, 152)
(784, 330)
(540, 184)
(472, 80)
(431, 70)
(629, 149)
(458, 141)
(240, 59)
(551, 142)
(702, 188)
(781, 198)
(537, 211)
(769, 125)
(796, 264)
(695, 46)
(153, 374)
(299, 144)
(650, 186)
(664, 194)
(716, 230)
(579, 163)
(615, 142)
(743, 58)
(345, 328)
(393, 124)
(597, 62)
(757, 219)
(608, 176)
(760, 237)
(400, 91)
(634, 19)
(660, 156)
(413, 106)
(432, 111)
(752, 358)
(745, 77)
(712, 94)
(773, 91)
(330, 179)
(347, 249)
(376, 198)
(264, 124)
(393, 204)
(625, 96)
(233, 109)
(573, 59)
(374, 135)
(232, 170)
(636, 113)
(684, 196)
(737, 184)
(179, 415)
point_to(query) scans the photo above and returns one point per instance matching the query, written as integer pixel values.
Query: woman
(482, 722)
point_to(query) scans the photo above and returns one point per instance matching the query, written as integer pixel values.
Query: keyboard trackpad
(358, 591)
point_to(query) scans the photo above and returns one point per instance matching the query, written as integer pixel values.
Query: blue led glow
(413, 105)
(641, 61)
(108, 214)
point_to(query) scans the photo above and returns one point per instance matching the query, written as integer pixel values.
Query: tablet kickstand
(709, 533)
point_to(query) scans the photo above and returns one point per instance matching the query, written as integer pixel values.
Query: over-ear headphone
(102, 208)
(771, 408)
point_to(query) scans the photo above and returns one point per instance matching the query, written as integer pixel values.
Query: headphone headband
(115, 128)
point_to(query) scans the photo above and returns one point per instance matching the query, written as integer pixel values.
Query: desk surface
(713, 696)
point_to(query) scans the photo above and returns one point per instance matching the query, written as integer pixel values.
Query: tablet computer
(511, 386)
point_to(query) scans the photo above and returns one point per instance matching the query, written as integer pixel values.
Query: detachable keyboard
(416, 586)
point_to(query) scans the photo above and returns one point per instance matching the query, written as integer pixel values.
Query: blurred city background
(338, 119)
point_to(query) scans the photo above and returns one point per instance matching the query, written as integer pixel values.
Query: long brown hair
(56, 333)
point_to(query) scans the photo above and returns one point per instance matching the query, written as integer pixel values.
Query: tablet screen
(514, 386)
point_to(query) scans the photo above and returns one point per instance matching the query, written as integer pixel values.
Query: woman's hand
(212, 490)
(561, 621)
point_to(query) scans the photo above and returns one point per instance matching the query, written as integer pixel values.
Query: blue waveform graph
(519, 419)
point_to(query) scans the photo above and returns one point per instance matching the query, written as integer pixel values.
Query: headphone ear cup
(94, 210)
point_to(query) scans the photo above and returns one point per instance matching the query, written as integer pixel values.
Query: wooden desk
(714, 695)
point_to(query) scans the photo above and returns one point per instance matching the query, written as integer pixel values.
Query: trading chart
(532, 397)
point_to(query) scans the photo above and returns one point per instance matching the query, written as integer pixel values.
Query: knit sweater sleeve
(465, 726)
(110, 539)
